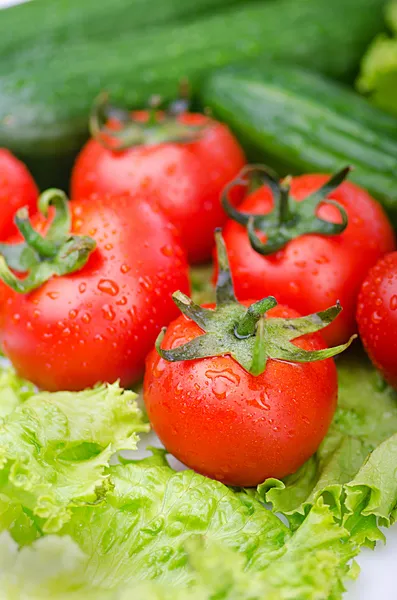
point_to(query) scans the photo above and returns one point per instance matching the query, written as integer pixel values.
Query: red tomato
(312, 272)
(227, 424)
(17, 189)
(185, 178)
(98, 324)
(377, 316)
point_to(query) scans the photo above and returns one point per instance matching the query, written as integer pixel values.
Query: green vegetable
(354, 470)
(298, 122)
(378, 76)
(141, 529)
(47, 88)
(54, 449)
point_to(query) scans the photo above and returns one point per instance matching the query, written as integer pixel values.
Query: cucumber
(297, 121)
(46, 90)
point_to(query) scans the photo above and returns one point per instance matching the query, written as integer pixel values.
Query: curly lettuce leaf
(54, 451)
(13, 391)
(354, 468)
(378, 76)
(154, 522)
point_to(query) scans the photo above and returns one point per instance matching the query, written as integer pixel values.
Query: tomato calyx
(161, 127)
(245, 333)
(39, 257)
(288, 220)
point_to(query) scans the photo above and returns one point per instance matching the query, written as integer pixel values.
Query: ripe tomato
(17, 189)
(224, 422)
(313, 271)
(98, 323)
(186, 178)
(377, 316)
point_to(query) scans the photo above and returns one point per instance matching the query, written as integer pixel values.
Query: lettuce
(378, 76)
(354, 470)
(54, 450)
(77, 526)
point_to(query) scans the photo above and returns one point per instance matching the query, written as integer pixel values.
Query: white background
(378, 568)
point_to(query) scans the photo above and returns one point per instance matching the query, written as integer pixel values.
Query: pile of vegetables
(230, 293)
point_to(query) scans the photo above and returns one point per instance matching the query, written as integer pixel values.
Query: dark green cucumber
(298, 121)
(46, 90)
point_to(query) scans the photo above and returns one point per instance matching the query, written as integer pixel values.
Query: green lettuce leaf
(154, 521)
(378, 76)
(13, 391)
(54, 451)
(354, 470)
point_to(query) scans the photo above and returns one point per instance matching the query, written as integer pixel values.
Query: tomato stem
(39, 257)
(288, 220)
(160, 127)
(244, 333)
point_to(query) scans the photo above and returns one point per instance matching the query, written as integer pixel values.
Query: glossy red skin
(98, 324)
(186, 179)
(223, 422)
(377, 316)
(312, 272)
(17, 189)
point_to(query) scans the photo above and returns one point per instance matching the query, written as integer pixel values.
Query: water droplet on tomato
(108, 246)
(29, 326)
(86, 318)
(222, 381)
(145, 283)
(98, 337)
(294, 287)
(107, 286)
(122, 301)
(376, 317)
(263, 401)
(108, 312)
(82, 287)
(125, 268)
(16, 318)
(73, 313)
(36, 314)
(159, 368)
(66, 332)
(167, 250)
(393, 302)
(178, 389)
(53, 295)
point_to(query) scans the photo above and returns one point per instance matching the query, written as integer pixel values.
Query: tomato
(186, 178)
(98, 323)
(224, 422)
(313, 271)
(17, 189)
(377, 316)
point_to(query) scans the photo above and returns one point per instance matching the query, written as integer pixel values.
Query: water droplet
(66, 332)
(73, 313)
(393, 302)
(178, 389)
(122, 301)
(145, 283)
(107, 286)
(82, 287)
(167, 250)
(108, 312)
(86, 318)
(53, 295)
(16, 318)
(108, 246)
(159, 368)
(98, 337)
(125, 268)
(378, 302)
(294, 287)
(376, 317)
(29, 326)
(263, 401)
(36, 313)
(222, 381)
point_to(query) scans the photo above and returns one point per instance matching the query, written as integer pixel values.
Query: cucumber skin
(46, 90)
(297, 121)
